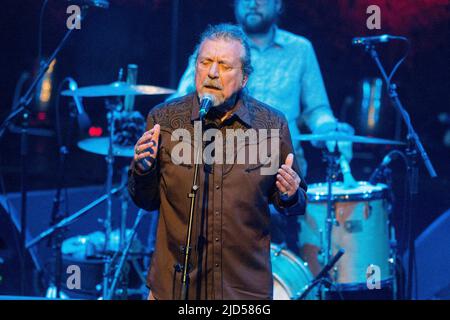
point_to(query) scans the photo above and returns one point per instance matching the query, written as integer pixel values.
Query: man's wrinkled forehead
(223, 49)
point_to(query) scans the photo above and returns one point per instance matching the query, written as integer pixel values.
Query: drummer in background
(286, 76)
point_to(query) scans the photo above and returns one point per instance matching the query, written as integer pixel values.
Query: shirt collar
(242, 112)
(277, 40)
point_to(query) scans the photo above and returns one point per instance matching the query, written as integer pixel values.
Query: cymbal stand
(124, 210)
(109, 181)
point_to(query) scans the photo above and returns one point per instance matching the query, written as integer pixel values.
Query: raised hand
(146, 149)
(288, 180)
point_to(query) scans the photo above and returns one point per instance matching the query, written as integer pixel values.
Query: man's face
(257, 16)
(218, 70)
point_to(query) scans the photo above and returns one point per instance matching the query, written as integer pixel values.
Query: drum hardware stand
(65, 223)
(122, 245)
(71, 218)
(387, 174)
(322, 278)
(124, 211)
(333, 167)
(22, 108)
(124, 254)
(113, 108)
(414, 149)
(332, 160)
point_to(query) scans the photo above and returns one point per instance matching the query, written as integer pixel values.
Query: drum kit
(346, 239)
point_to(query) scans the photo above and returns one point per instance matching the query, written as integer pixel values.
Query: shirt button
(217, 187)
(217, 212)
(217, 239)
(217, 265)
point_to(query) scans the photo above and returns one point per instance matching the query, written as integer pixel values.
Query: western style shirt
(230, 257)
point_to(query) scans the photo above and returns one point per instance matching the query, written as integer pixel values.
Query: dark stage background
(160, 35)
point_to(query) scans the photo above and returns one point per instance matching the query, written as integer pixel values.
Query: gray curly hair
(227, 31)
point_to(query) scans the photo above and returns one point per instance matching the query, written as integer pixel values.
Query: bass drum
(291, 275)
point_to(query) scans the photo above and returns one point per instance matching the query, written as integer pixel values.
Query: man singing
(230, 235)
(287, 77)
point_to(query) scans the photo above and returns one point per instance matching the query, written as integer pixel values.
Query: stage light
(95, 131)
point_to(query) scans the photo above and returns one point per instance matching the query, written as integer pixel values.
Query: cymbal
(340, 136)
(101, 146)
(117, 88)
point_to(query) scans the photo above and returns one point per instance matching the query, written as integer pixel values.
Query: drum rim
(357, 286)
(303, 265)
(361, 196)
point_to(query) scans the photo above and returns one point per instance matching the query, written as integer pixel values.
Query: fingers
(284, 183)
(155, 131)
(288, 180)
(149, 135)
(288, 177)
(146, 148)
(289, 160)
(280, 187)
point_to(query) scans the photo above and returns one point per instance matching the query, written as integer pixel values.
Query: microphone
(206, 103)
(363, 41)
(83, 119)
(375, 177)
(104, 4)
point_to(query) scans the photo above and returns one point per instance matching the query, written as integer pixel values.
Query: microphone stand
(22, 108)
(414, 148)
(187, 248)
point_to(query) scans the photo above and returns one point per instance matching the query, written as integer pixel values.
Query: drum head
(318, 192)
(291, 275)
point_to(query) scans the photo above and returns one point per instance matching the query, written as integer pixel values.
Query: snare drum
(291, 275)
(361, 229)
